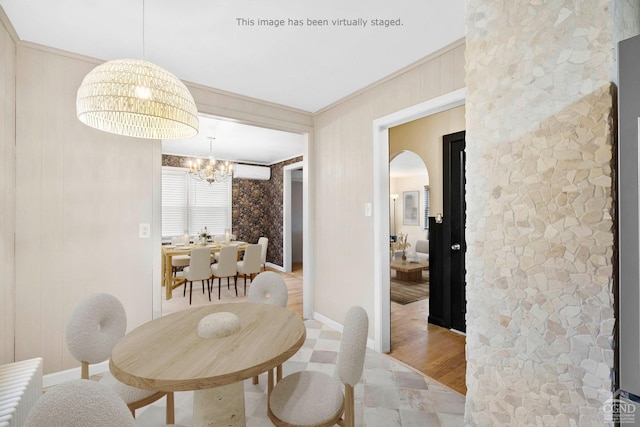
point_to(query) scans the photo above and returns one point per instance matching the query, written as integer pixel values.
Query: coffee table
(409, 271)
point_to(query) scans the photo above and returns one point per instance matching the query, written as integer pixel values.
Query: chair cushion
(127, 393)
(180, 260)
(307, 398)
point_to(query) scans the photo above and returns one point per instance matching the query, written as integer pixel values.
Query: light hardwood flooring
(436, 352)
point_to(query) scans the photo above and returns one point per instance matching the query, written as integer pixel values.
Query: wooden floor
(434, 351)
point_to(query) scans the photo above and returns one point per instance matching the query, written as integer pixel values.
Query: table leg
(219, 406)
(168, 279)
(163, 268)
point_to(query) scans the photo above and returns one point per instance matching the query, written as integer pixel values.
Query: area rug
(407, 292)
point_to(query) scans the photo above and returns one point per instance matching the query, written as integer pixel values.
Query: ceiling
(237, 142)
(214, 43)
(204, 41)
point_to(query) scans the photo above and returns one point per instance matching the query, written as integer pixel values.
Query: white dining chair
(80, 403)
(250, 263)
(95, 326)
(313, 398)
(198, 269)
(264, 242)
(226, 266)
(269, 288)
(178, 261)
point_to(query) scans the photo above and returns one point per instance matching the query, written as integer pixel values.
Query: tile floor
(388, 395)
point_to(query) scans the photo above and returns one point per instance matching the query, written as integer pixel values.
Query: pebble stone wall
(540, 207)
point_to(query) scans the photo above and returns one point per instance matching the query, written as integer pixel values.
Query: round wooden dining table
(168, 354)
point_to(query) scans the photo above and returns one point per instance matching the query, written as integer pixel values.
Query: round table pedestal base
(219, 406)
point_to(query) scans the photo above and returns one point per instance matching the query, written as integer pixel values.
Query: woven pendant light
(137, 98)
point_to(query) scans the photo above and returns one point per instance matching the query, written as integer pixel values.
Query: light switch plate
(367, 209)
(144, 231)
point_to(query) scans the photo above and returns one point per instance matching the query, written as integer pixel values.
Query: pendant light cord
(144, 56)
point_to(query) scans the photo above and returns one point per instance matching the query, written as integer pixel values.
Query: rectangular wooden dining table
(169, 251)
(210, 349)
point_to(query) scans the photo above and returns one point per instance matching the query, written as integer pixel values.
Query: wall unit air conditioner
(251, 172)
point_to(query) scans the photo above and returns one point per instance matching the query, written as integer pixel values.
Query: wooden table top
(186, 249)
(166, 354)
(408, 266)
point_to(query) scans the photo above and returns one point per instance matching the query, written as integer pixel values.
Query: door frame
(382, 274)
(286, 213)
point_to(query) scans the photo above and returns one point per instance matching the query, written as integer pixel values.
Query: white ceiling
(237, 142)
(203, 41)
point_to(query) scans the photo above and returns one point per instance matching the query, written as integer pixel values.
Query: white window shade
(174, 203)
(209, 206)
(189, 205)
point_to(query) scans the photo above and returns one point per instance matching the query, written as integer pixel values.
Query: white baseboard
(276, 267)
(73, 374)
(338, 327)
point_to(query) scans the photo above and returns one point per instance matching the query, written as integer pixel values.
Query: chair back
(269, 288)
(353, 346)
(264, 242)
(251, 261)
(96, 325)
(227, 263)
(199, 265)
(80, 403)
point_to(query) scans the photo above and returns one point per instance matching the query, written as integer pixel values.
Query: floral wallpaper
(256, 207)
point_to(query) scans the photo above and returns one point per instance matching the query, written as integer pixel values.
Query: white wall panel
(7, 188)
(80, 196)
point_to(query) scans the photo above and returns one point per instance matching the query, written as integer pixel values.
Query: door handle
(455, 247)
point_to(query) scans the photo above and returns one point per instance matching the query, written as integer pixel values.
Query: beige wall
(342, 160)
(424, 137)
(80, 197)
(7, 188)
(398, 186)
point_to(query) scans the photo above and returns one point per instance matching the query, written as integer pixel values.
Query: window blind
(426, 207)
(189, 205)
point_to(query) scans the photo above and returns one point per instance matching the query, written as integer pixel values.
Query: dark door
(454, 220)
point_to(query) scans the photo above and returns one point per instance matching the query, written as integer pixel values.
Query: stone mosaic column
(540, 200)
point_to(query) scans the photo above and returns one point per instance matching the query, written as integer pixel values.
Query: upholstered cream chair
(226, 266)
(264, 242)
(310, 398)
(250, 263)
(80, 403)
(178, 261)
(199, 269)
(269, 288)
(94, 328)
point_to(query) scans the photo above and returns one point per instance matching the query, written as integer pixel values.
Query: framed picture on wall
(411, 205)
